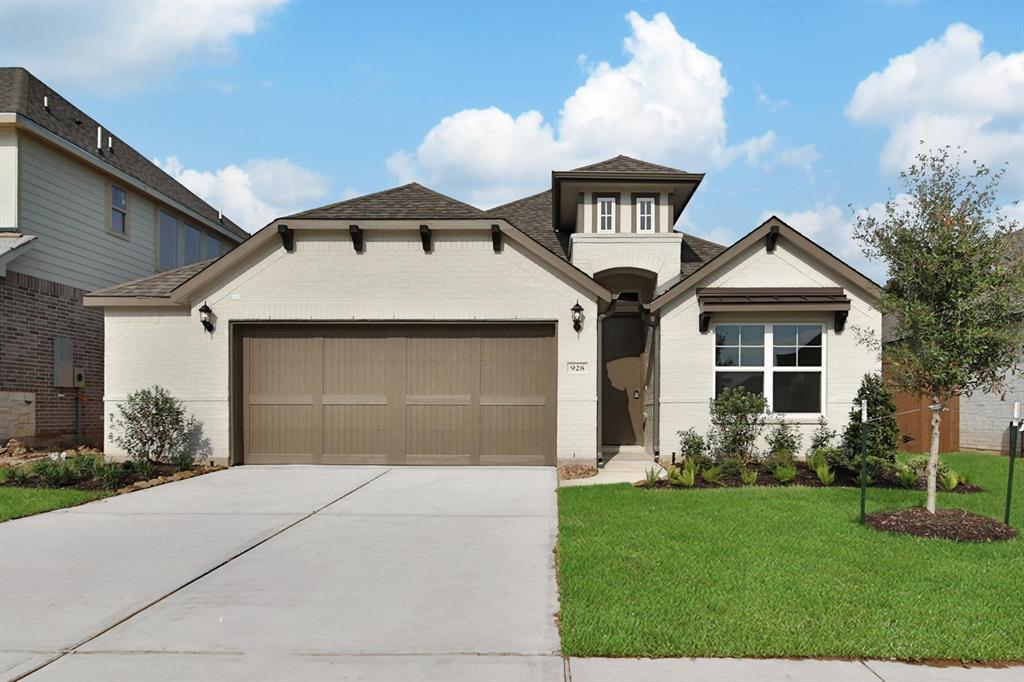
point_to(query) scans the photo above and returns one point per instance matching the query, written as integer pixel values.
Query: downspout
(599, 376)
(654, 323)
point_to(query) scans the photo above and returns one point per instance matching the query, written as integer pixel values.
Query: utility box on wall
(63, 362)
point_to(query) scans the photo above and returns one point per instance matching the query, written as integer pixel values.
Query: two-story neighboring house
(407, 327)
(79, 210)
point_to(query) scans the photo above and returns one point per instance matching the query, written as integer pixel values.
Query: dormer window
(645, 214)
(606, 214)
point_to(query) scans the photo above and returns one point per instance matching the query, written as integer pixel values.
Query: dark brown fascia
(557, 177)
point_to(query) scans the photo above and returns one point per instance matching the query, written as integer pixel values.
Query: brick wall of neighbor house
(985, 418)
(32, 312)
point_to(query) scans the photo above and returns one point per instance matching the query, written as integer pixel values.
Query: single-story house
(406, 327)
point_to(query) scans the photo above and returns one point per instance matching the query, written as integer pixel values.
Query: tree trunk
(933, 458)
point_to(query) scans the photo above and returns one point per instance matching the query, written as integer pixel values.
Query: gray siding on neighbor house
(64, 203)
(985, 418)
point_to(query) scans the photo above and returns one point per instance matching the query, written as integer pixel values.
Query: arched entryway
(627, 401)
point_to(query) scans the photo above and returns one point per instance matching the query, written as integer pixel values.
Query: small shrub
(919, 465)
(964, 478)
(19, 475)
(732, 466)
(152, 426)
(109, 474)
(692, 446)
(883, 434)
(84, 466)
(682, 478)
(738, 418)
(143, 467)
(712, 475)
(779, 459)
(816, 459)
(825, 475)
(785, 473)
(784, 438)
(949, 481)
(823, 437)
(55, 473)
(651, 477)
(906, 477)
(748, 476)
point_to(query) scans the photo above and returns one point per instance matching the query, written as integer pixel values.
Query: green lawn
(16, 502)
(785, 572)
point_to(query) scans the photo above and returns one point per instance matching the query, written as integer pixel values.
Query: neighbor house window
(645, 215)
(211, 246)
(790, 377)
(167, 241)
(118, 210)
(605, 214)
(193, 245)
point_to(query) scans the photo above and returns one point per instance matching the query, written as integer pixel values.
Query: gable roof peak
(627, 164)
(411, 201)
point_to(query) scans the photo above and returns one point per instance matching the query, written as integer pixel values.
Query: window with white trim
(791, 377)
(645, 214)
(606, 214)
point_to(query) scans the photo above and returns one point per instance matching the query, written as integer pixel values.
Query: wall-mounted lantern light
(577, 317)
(206, 317)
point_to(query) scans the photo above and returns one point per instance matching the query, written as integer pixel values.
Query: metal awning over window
(773, 299)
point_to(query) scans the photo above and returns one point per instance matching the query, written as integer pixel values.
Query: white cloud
(802, 157)
(832, 228)
(947, 92)
(256, 192)
(123, 46)
(772, 105)
(665, 104)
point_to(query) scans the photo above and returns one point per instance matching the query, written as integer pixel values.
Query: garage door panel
(283, 433)
(357, 434)
(399, 394)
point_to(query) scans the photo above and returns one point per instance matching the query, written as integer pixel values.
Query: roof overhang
(565, 185)
(185, 292)
(21, 122)
(17, 246)
(771, 230)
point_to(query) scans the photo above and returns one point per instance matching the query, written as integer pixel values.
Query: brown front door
(398, 394)
(622, 396)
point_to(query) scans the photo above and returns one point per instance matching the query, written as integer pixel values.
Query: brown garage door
(398, 394)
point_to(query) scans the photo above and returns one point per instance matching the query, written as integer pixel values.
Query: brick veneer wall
(985, 418)
(32, 312)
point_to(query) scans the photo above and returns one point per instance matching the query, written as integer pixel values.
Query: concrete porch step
(625, 452)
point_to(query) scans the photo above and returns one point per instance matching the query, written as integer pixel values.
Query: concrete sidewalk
(774, 670)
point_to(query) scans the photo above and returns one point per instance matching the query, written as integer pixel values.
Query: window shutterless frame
(606, 214)
(117, 211)
(768, 368)
(645, 208)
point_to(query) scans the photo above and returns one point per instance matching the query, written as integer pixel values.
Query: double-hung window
(645, 214)
(118, 210)
(790, 375)
(606, 214)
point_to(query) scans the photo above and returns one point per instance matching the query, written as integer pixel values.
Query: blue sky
(271, 107)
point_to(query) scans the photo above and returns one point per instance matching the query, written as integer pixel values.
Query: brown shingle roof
(159, 285)
(627, 164)
(697, 252)
(22, 93)
(408, 202)
(532, 215)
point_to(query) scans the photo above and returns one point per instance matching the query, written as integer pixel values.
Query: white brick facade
(985, 418)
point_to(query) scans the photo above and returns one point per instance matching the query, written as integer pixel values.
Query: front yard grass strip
(17, 502)
(771, 572)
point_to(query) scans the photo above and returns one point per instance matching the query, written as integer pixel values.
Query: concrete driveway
(298, 573)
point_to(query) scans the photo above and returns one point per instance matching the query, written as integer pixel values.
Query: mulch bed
(809, 478)
(949, 524)
(130, 479)
(568, 472)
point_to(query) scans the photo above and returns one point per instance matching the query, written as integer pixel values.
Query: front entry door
(624, 367)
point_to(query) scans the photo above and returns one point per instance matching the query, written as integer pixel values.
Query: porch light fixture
(206, 317)
(577, 317)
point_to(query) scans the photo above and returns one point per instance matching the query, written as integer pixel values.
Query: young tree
(955, 293)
